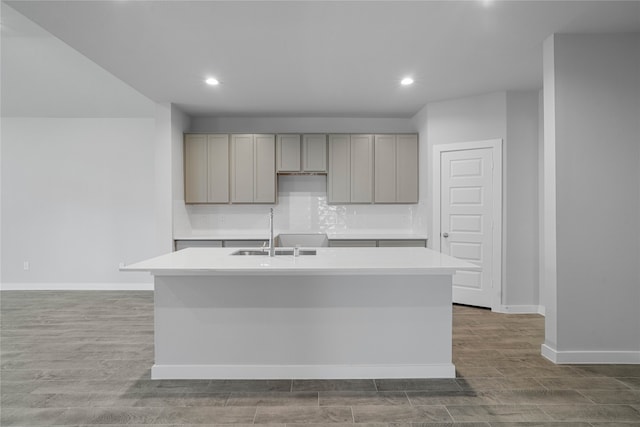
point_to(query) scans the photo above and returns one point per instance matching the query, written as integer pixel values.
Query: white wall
(541, 210)
(77, 199)
(180, 124)
(596, 97)
(512, 117)
(78, 175)
(302, 201)
(520, 214)
(474, 118)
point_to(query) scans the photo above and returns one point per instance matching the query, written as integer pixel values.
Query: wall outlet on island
(25, 265)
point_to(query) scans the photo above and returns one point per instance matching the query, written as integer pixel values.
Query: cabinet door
(385, 168)
(339, 176)
(195, 168)
(352, 243)
(407, 168)
(407, 243)
(288, 153)
(218, 160)
(242, 169)
(361, 168)
(265, 169)
(314, 151)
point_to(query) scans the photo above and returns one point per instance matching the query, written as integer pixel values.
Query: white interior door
(466, 220)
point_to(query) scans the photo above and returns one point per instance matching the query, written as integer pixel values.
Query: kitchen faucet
(272, 249)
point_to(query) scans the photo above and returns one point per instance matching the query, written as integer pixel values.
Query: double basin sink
(265, 252)
(292, 243)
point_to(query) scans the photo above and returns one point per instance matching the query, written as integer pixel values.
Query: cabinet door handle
(445, 235)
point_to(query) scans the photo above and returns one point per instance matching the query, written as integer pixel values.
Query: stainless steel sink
(287, 251)
(250, 252)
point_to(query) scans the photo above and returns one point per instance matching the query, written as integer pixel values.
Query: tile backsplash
(302, 207)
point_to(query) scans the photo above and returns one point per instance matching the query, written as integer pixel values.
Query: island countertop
(327, 261)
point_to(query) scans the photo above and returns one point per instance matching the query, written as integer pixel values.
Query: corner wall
(592, 92)
(513, 118)
(520, 213)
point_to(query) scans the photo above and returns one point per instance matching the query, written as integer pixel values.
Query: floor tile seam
(593, 402)
(453, 420)
(255, 414)
(406, 395)
(595, 405)
(618, 379)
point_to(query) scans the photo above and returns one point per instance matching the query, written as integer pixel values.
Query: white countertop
(328, 261)
(243, 235)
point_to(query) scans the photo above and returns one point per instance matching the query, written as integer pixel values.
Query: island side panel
(238, 327)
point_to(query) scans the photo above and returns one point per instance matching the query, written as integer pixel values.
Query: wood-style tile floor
(83, 358)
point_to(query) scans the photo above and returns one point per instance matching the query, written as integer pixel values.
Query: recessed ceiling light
(406, 81)
(212, 81)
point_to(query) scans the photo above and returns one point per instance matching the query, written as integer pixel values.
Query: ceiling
(315, 58)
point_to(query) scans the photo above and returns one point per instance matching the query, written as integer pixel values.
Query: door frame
(496, 154)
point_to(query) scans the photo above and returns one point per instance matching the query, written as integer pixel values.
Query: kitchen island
(340, 313)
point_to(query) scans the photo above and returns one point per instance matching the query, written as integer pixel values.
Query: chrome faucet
(272, 249)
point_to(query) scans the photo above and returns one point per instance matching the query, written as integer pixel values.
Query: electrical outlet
(121, 265)
(25, 265)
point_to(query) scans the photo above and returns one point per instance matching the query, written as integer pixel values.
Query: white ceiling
(311, 58)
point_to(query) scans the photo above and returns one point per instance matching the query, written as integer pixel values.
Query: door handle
(445, 235)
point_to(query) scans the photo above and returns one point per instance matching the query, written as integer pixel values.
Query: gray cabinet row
(241, 168)
(337, 243)
(373, 168)
(237, 168)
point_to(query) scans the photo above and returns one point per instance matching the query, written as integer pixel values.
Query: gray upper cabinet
(314, 152)
(407, 176)
(241, 168)
(339, 176)
(396, 168)
(206, 168)
(350, 178)
(385, 168)
(264, 189)
(288, 153)
(361, 168)
(253, 172)
(301, 155)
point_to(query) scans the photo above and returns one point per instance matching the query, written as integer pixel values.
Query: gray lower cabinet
(183, 244)
(380, 243)
(206, 168)
(253, 171)
(186, 243)
(245, 243)
(353, 243)
(404, 243)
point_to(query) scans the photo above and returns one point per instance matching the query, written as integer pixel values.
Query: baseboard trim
(520, 309)
(47, 286)
(590, 357)
(273, 372)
